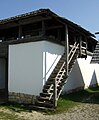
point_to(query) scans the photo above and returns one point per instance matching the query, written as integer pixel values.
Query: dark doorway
(3, 80)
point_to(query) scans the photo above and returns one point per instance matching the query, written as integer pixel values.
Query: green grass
(13, 108)
(68, 101)
(17, 107)
(65, 102)
(8, 116)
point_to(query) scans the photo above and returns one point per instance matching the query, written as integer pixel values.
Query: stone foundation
(21, 98)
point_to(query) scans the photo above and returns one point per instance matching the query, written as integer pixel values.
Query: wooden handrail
(75, 48)
(72, 49)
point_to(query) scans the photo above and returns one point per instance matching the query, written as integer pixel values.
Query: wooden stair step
(64, 77)
(63, 58)
(52, 82)
(61, 72)
(35, 107)
(60, 64)
(45, 94)
(62, 80)
(45, 99)
(44, 104)
(55, 72)
(59, 86)
(53, 76)
(61, 61)
(61, 83)
(49, 82)
(63, 69)
(56, 69)
(47, 90)
(42, 99)
(59, 75)
(47, 86)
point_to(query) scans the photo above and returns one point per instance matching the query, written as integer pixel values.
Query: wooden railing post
(43, 28)
(80, 45)
(86, 47)
(20, 32)
(66, 48)
(55, 94)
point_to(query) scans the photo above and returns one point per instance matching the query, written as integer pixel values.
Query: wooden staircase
(55, 84)
(95, 56)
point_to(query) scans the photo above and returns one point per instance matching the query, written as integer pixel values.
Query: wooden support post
(80, 45)
(20, 32)
(44, 55)
(43, 28)
(59, 34)
(75, 39)
(55, 94)
(86, 46)
(66, 48)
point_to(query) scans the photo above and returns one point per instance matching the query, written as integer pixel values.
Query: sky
(82, 12)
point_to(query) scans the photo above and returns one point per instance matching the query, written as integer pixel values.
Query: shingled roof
(95, 56)
(47, 12)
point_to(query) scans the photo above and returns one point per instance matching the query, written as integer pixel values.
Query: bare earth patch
(83, 111)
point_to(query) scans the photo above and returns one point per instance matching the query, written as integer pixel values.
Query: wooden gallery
(42, 56)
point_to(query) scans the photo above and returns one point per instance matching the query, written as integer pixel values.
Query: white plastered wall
(25, 68)
(30, 65)
(51, 55)
(83, 75)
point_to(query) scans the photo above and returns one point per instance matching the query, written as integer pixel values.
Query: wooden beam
(66, 48)
(20, 32)
(33, 20)
(43, 28)
(23, 22)
(80, 45)
(54, 27)
(58, 34)
(86, 43)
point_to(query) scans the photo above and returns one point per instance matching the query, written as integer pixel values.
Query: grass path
(66, 103)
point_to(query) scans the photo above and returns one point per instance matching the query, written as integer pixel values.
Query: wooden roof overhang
(23, 19)
(41, 15)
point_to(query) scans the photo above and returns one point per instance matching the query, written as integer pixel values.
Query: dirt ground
(84, 111)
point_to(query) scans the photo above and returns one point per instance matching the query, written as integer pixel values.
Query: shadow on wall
(75, 81)
(84, 96)
(53, 48)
